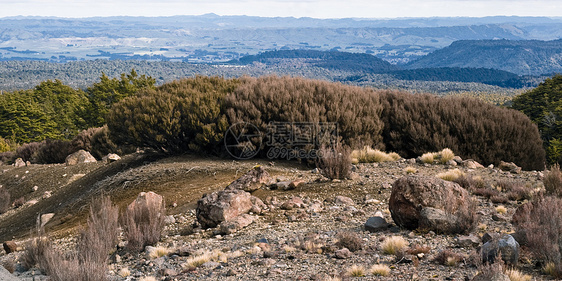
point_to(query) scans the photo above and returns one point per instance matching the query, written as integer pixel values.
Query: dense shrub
(7, 145)
(102, 144)
(7, 157)
(541, 222)
(4, 199)
(349, 240)
(53, 151)
(84, 139)
(356, 111)
(472, 128)
(176, 117)
(28, 151)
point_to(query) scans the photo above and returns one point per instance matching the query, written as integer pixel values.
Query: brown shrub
(541, 222)
(84, 139)
(18, 202)
(143, 225)
(469, 183)
(355, 110)
(553, 181)
(335, 161)
(27, 151)
(4, 200)
(100, 236)
(473, 129)
(418, 249)
(349, 240)
(7, 157)
(53, 151)
(500, 198)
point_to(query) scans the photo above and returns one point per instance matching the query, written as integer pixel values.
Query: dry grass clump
(4, 200)
(448, 258)
(124, 272)
(335, 161)
(369, 155)
(356, 271)
(418, 249)
(501, 209)
(410, 170)
(551, 269)
(428, 157)
(553, 181)
(143, 224)
(88, 261)
(380, 270)
(516, 275)
(393, 245)
(349, 240)
(156, 252)
(446, 155)
(148, 278)
(207, 256)
(450, 175)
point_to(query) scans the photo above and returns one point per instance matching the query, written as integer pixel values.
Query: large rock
(80, 156)
(506, 245)
(509, 167)
(221, 206)
(5, 275)
(251, 181)
(19, 163)
(110, 158)
(147, 201)
(447, 207)
(236, 224)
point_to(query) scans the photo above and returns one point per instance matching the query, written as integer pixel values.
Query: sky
(283, 8)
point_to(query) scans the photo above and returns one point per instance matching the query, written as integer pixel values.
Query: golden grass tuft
(446, 155)
(516, 275)
(369, 155)
(124, 272)
(393, 245)
(207, 256)
(356, 271)
(156, 252)
(380, 270)
(501, 209)
(550, 269)
(332, 279)
(410, 170)
(148, 278)
(450, 175)
(428, 157)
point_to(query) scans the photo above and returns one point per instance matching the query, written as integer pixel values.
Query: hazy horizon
(330, 9)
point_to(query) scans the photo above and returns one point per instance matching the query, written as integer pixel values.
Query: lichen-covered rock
(80, 156)
(221, 206)
(411, 194)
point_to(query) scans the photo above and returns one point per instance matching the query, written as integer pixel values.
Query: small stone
(35, 188)
(343, 200)
(376, 224)
(343, 254)
(45, 218)
(468, 241)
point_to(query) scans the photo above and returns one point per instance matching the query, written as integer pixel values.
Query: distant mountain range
(524, 57)
(212, 38)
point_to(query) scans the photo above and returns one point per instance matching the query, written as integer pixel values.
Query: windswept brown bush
(53, 151)
(335, 161)
(143, 224)
(472, 128)
(84, 139)
(553, 181)
(541, 223)
(355, 110)
(28, 151)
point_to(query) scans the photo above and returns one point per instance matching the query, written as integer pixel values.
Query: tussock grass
(393, 245)
(148, 278)
(446, 155)
(156, 252)
(124, 272)
(451, 175)
(207, 256)
(428, 157)
(380, 270)
(370, 155)
(356, 271)
(410, 170)
(516, 275)
(501, 209)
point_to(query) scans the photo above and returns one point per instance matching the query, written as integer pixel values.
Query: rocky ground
(297, 242)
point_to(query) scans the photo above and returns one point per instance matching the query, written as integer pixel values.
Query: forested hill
(325, 59)
(529, 57)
